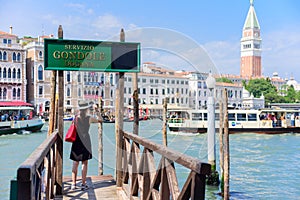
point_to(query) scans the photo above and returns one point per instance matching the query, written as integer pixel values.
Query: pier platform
(102, 187)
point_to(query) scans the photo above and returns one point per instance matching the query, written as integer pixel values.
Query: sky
(193, 35)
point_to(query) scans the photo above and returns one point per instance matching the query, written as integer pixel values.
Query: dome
(246, 93)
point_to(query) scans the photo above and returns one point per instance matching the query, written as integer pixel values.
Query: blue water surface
(261, 166)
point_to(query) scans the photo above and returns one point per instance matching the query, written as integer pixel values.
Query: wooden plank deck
(103, 187)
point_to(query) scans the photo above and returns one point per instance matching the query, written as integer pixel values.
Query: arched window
(79, 92)
(102, 79)
(40, 73)
(68, 76)
(89, 92)
(40, 54)
(93, 92)
(79, 77)
(19, 74)
(19, 93)
(14, 73)
(14, 56)
(1, 95)
(19, 57)
(4, 55)
(9, 73)
(0, 55)
(111, 79)
(0, 72)
(85, 92)
(4, 93)
(4, 73)
(14, 93)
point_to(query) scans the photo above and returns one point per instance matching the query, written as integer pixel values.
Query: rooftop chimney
(10, 29)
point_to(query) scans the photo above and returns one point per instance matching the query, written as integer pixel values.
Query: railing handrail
(185, 160)
(140, 180)
(29, 174)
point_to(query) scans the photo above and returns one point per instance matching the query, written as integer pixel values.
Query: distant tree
(291, 95)
(257, 87)
(224, 80)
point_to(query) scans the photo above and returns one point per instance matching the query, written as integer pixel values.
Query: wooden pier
(137, 175)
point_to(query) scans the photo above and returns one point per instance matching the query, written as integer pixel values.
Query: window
(241, 116)
(0, 72)
(14, 93)
(4, 41)
(79, 92)
(40, 54)
(252, 116)
(163, 91)
(217, 116)
(68, 76)
(79, 77)
(4, 73)
(4, 93)
(19, 74)
(14, 73)
(196, 116)
(111, 79)
(14, 56)
(19, 93)
(144, 90)
(9, 73)
(151, 90)
(4, 55)
(231, 117)
(68, 92)
(40, 73)
(40, 90)
(0, 55)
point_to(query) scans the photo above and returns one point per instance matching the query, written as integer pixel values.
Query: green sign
(80, 55)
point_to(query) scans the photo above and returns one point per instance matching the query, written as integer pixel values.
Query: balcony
(11, 80)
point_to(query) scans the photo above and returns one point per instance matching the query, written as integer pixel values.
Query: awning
(14, 103)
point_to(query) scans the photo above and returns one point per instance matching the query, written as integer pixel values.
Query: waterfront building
(12, 68)
(39, 80)
(251, 46)
(250, 102)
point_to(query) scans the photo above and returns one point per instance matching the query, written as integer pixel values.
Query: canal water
(261, 166)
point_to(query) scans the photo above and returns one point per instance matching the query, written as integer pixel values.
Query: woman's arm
(95, 120)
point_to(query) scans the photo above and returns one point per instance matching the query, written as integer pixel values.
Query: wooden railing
(142, 179)
(36, 177)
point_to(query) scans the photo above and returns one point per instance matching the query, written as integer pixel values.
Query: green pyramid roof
(251, 20)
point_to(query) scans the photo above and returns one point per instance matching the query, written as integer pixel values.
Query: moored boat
(17, 117)
(267, 121)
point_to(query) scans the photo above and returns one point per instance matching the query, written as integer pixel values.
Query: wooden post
(221, 132)
(119, 122)
(165, 121)
(100, 138)
(226, 148)
(52, 103)
(59, 161)
(135, 103)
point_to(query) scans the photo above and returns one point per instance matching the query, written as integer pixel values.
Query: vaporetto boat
(17, 117)
(267, 121)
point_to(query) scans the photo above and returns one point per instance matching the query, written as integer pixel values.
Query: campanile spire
(251, 46)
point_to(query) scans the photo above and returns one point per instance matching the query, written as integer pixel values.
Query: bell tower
(251, 46)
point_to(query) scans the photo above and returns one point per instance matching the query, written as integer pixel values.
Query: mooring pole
(135, 103)
(221, 133)
(213, 179)
(59, 161)
(119, 121)
(100, 138)
(226, 148)
(165, 121)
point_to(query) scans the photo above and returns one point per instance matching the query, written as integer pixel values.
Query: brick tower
(251, 46)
